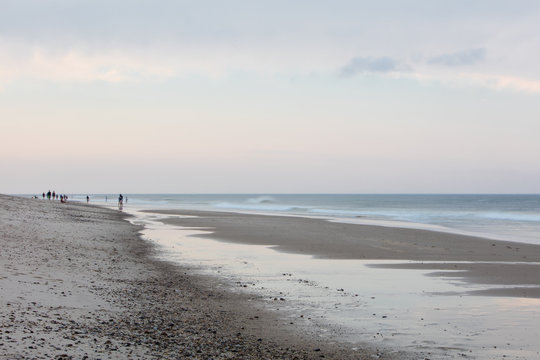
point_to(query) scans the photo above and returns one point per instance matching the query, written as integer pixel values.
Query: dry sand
(326, 239)
(76, 281)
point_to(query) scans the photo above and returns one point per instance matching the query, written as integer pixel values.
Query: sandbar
(511, 268)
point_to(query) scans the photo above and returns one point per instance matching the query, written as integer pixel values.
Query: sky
(341, 96)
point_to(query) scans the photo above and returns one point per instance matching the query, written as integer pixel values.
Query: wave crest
(261, 200)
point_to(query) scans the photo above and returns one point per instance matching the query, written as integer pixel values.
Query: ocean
(501, 217)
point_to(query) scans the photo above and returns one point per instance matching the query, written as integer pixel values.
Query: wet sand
(77, 281)
(485, 261)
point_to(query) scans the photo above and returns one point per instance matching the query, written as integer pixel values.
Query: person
(53, 195)
(120, 202)
(87, 199)
(43, 196)
(49, 195)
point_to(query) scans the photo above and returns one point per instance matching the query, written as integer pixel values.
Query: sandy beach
(78, 282)
(480, 260)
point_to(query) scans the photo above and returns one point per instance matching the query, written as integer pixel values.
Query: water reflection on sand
(395, 308)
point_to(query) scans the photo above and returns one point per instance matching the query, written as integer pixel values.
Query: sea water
(502, 217)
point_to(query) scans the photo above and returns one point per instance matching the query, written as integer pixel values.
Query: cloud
(460, 58)
(449, 75)
(492, 81)
(504, 82)
(78, 67)
(381, 65)
(82, 63)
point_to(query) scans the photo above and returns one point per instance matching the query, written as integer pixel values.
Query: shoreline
(510, 268)
(79, 282)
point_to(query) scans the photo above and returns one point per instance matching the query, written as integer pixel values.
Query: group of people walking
(54, 196)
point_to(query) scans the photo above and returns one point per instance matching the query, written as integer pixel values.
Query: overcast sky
(270, 96)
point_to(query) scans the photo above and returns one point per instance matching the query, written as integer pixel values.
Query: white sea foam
(255, 207)
(512, 216)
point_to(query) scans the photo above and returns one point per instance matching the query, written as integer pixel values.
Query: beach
(83, 281)
(77, 281)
